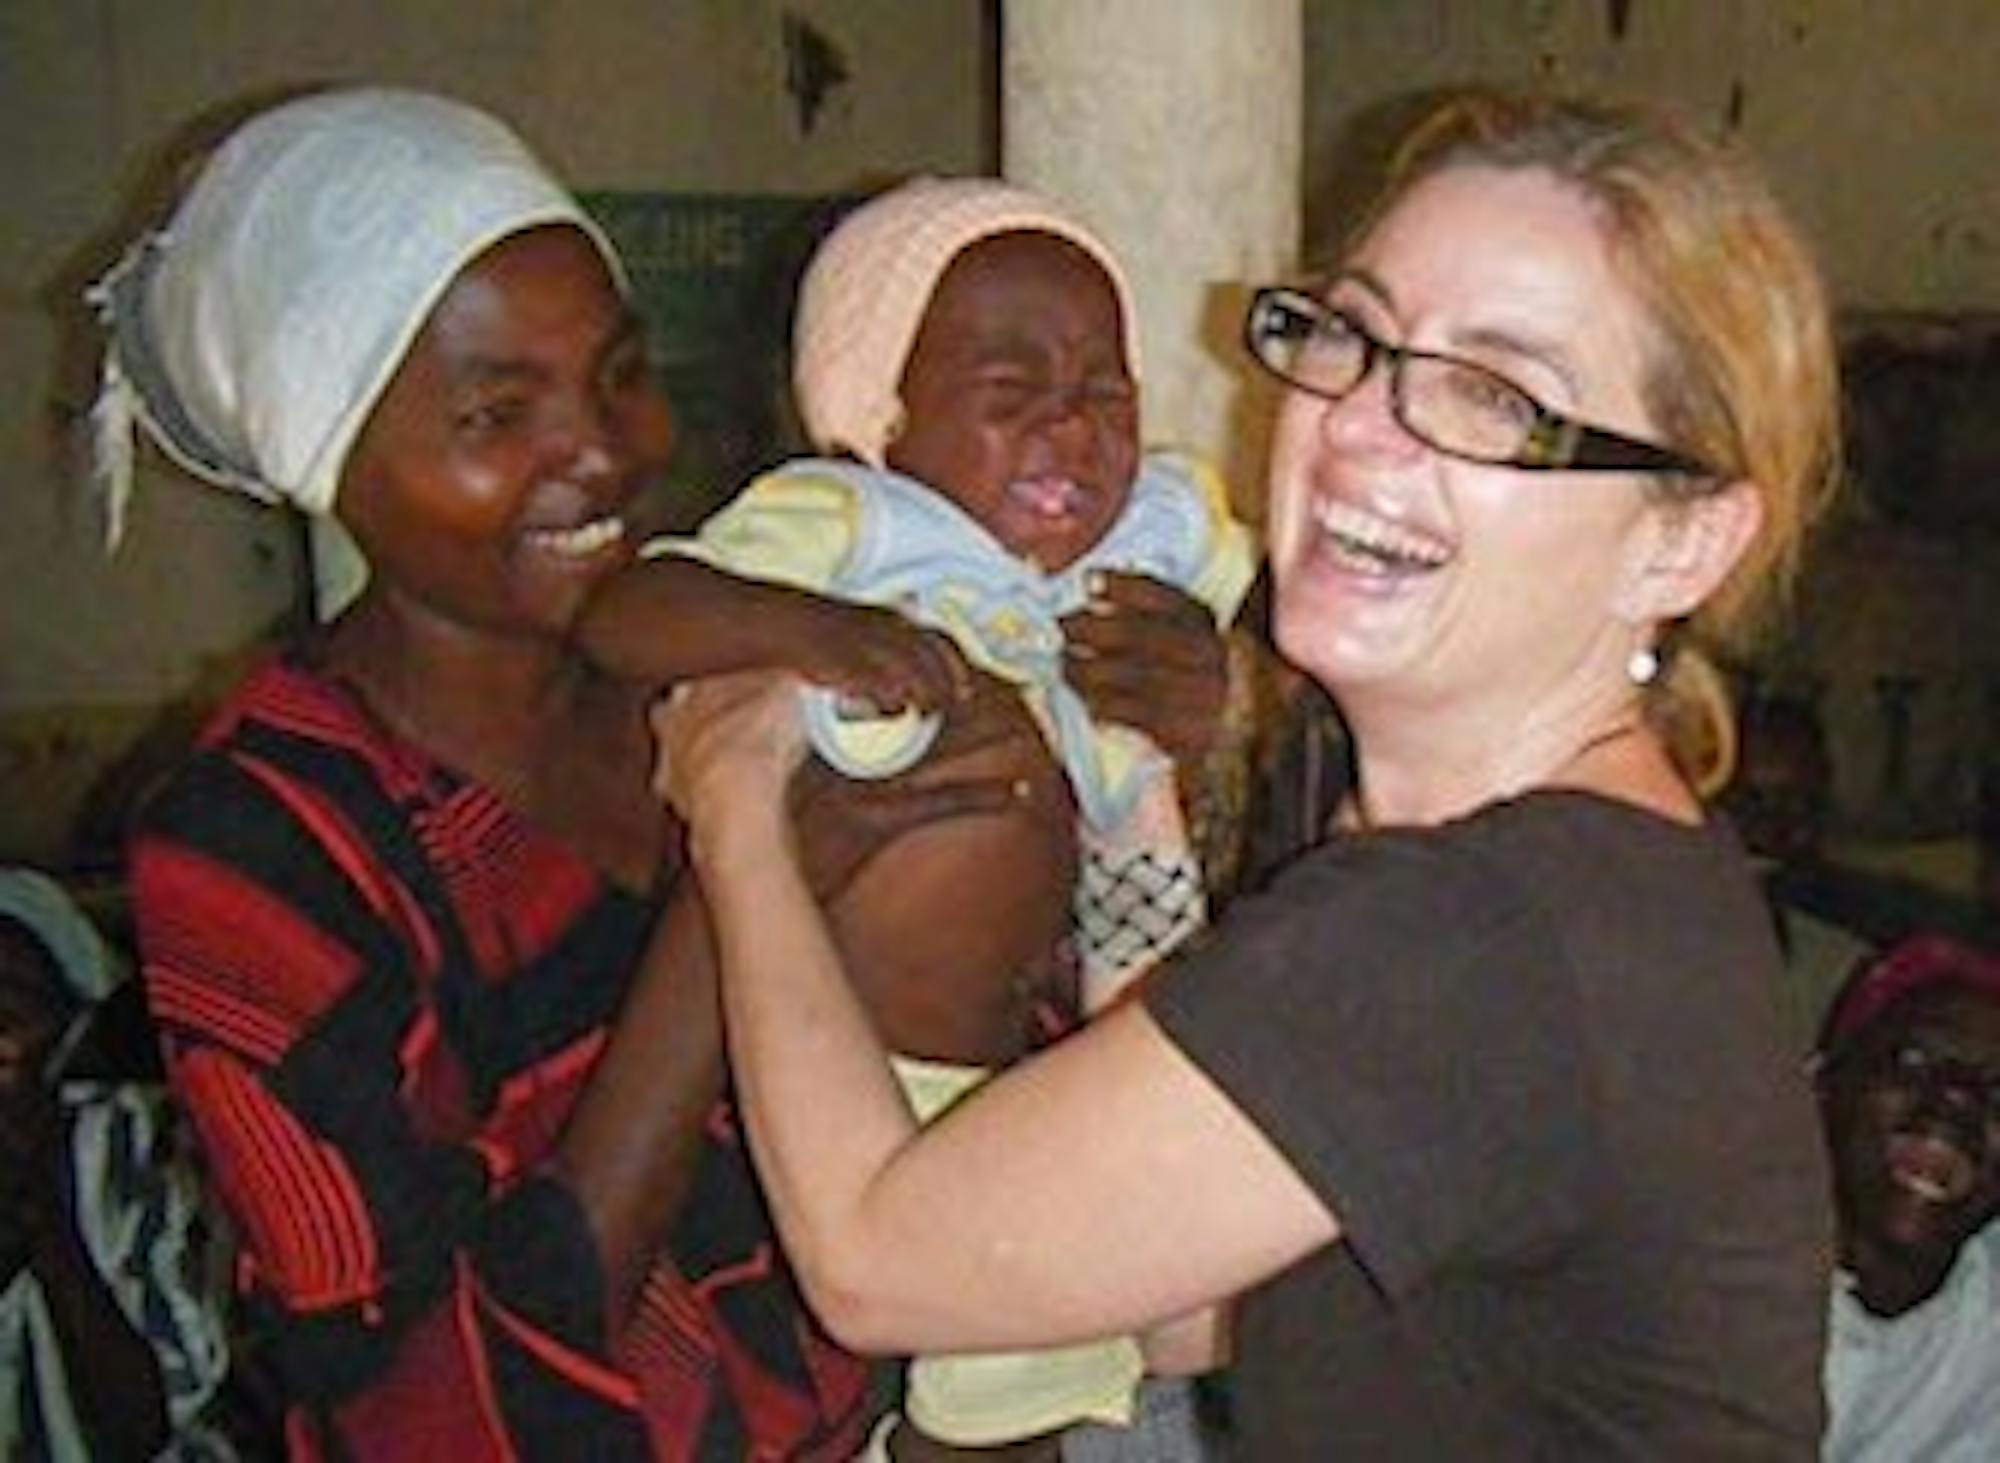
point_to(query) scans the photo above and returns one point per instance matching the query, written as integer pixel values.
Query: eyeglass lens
(1453, 405)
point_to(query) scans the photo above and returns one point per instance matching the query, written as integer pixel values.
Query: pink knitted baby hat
(865, 293)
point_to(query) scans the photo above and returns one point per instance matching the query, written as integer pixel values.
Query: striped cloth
(139, 1214)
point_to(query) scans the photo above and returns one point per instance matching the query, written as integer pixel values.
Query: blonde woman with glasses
(1485, 1108)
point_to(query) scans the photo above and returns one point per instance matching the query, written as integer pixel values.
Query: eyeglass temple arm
(1600, 451)
(1573, 445)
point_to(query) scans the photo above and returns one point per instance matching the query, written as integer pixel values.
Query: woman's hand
(728, 746)
(1145, 655)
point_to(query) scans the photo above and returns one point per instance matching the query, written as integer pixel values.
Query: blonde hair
(1742, 374)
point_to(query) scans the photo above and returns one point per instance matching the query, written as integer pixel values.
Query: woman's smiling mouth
(583, 541)
(1370, 544)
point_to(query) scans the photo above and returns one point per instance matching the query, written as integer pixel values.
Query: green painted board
(713, 275)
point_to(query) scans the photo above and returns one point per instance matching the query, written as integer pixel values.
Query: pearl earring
(1642, 666)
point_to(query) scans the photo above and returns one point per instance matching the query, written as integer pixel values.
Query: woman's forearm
(632, 1143)
(1026, 1216)
(1189, 1345)
(670, 619)
(1030, 1214)
(821, 1106)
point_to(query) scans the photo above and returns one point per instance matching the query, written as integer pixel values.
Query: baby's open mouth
(1048, 496)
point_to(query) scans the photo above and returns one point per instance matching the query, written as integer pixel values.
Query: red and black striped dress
(379, 992)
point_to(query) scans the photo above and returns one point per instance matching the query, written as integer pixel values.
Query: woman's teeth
(1363, 540)
(579, 542)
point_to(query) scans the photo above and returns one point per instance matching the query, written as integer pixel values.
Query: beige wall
(672, 95)
(1876, 119)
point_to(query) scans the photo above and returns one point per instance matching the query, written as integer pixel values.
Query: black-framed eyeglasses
(1459, 407)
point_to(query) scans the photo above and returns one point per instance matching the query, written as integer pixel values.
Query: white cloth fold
(254, 333)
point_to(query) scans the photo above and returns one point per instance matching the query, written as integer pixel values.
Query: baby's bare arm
(669, 619)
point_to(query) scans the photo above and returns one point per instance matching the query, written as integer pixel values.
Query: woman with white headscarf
(428, 983)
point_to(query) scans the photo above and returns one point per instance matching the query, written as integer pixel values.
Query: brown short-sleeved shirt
(1535, 1062)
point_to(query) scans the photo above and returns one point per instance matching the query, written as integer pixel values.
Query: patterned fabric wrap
(139, 1212)
(1134, 905)
(380, 991)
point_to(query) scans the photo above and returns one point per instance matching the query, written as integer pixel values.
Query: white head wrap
(38, 902)
(870, 283)
(254, 333)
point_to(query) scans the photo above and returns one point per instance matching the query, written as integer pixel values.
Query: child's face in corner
(1018, 402)
(1913, 1117)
